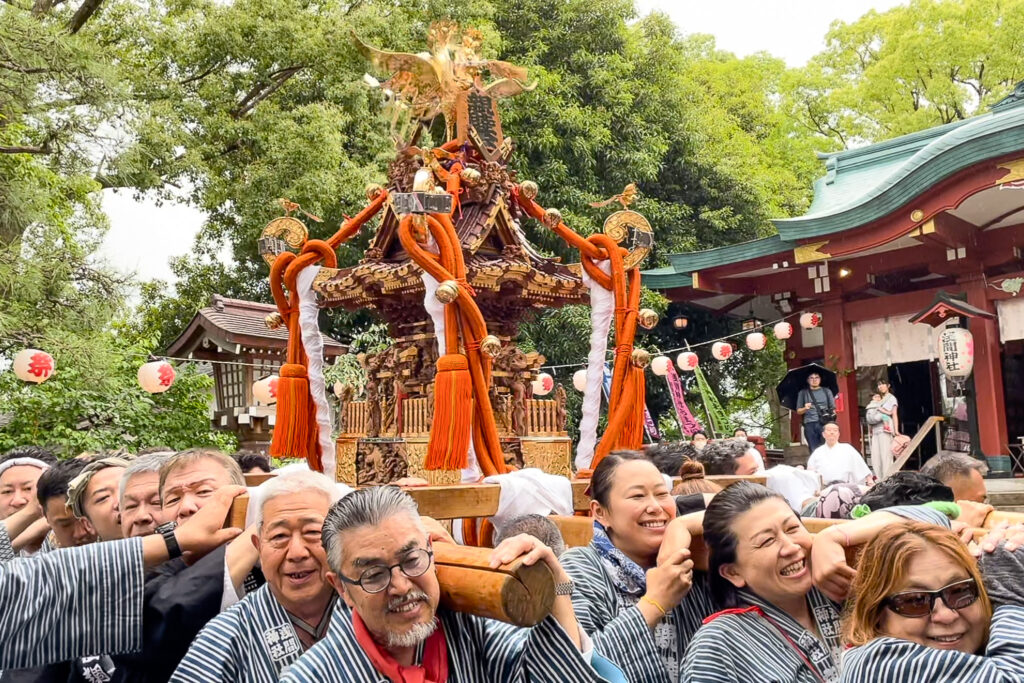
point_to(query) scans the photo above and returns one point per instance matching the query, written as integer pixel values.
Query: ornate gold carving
(287, 228)
(447, 291)
(647, 318)
(470, 176)
(529, 189)
(345, 462)
(806, 253)
(633, 231)
(551, 454)
(417, 453)
(1015, 170)
(624, 198)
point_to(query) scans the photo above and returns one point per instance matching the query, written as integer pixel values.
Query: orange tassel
(453, 415)
(295, 430)
(632, 435)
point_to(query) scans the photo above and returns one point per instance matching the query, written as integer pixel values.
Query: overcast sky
(144, 236)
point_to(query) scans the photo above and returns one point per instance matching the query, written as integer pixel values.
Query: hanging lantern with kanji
(721, 350)
(265, 390)
(783, 330)
(579, 380)
(810, 320)
(156, 377)
(543, 385)
(33, 365)
(956, 353)
(756, 341)
(687, 361)
(660, 365)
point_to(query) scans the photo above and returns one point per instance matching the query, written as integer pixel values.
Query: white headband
(18, 462)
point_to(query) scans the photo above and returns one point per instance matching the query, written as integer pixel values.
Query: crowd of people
(117, 566)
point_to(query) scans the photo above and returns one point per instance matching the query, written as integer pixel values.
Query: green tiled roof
(665, 278)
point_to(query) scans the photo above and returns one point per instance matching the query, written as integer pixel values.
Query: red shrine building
(893, 226)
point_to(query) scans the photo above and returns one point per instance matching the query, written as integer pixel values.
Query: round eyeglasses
(378, 577)
(917, 604)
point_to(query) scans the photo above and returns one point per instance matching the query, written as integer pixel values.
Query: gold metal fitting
(470, 176)
(274, 320)
(647, 318)
(447, 291)
(640, 358)
(373, 191)
(490, 345)
(552, 217)
(529, 189)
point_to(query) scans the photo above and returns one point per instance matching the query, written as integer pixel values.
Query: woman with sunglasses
(640, 612)
(776, 625)
(923, 610)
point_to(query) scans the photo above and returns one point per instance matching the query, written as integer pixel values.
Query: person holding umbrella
(817, 405)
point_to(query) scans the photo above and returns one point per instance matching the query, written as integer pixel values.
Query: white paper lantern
(810, 320)
(33, 365)
(721, 350)
(783, 330)
(659, 365)
(156, 377)
(579, 380)
(687, 361)
(756, 341)
(543, 385)
(265, 390)
(956, 352)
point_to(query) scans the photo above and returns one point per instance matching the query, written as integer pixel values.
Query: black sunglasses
(916, 604)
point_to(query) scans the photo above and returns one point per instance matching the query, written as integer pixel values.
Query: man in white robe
(838, 462)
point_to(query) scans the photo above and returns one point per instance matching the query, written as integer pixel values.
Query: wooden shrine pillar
(988, 371)
(838, 335)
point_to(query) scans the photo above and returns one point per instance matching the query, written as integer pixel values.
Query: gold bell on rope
(552, 217)
(529, 189)
(447, 291)
(373, 190)
(647, 318)
(273, 321)
(490, 345)
(640, 358)
(470, 176)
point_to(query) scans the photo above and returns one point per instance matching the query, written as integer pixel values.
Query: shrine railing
(542, 418)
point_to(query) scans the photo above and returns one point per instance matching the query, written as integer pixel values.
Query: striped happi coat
(736, 648)
(252, 641)
(71, 603)
(479, 651)
(890, 660)
(617, 626)
(6, 548)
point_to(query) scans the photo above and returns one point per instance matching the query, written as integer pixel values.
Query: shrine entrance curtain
(884, 341)
(1011, 319)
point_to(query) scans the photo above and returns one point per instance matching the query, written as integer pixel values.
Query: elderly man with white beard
(268, 630)
(381, 563)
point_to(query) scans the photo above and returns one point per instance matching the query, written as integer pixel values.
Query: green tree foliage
(915, 66)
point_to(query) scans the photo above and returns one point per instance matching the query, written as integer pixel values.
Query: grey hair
(538, 526)
(192, 455)
(150, 462)
(949, 464)
(364, 507)
(294, 482)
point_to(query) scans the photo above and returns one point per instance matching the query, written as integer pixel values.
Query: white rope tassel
(435, 309)
(313, 344)
(602, 307)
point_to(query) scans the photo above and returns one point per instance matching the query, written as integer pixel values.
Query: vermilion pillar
(988, 372)
(838, 335)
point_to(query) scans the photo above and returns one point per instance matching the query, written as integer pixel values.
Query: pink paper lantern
(33, 365)
(956, 352)
(156, 377)
(687, 361)
(783, 330)
(543, 385)
(756, 341)
(721, 350)
(810, 320)
(265, 390)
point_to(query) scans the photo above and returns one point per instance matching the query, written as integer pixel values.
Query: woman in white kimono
(641, 613)
(923, 610)
(777, 625)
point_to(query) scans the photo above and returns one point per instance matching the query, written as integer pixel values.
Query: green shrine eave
(678, 274)
(665, 278)
(865, 184)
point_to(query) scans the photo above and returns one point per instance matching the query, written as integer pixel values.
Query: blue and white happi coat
(891, 660)
(480, 650)
(71, 603)
(252, 641)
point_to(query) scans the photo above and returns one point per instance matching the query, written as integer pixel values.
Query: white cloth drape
(530, 492)
(313, 344)
(602, 307)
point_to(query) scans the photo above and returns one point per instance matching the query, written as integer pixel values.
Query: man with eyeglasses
(381, 563)
(268, 630)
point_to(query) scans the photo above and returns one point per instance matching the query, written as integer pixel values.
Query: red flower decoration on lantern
(810, 320)
(721, 350)
(156, 377)
(687, 361)
(783, 330)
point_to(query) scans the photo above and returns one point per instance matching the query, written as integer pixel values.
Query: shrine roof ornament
(948, 306)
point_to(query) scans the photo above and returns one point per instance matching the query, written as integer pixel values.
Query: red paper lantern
(687, 361)
(721, 350)
(783, 330)
(756, 341)
(156, 377)
(810, 320)
(33, 365)
(265, 390)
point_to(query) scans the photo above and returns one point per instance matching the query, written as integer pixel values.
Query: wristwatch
(173, 549)
(564, 588)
